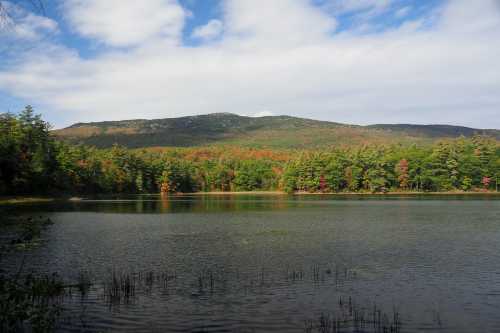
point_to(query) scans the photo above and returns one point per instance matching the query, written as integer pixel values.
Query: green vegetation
(28, 302)
(276, 132)
(22, 200)
(33, 162)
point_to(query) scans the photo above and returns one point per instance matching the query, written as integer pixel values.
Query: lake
(253, 263)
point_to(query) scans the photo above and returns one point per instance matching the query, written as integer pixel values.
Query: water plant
(350, 316)
(120, 287)
(30, 302)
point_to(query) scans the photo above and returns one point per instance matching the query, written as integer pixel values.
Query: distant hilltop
(258, 132)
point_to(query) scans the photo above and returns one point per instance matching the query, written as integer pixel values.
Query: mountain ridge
(268, 131)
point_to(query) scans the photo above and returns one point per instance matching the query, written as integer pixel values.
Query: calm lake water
(251, 263)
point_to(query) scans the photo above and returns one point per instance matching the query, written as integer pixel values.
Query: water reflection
(273, 263)
(199, 203)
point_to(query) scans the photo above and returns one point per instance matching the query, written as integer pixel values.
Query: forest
(32, 161)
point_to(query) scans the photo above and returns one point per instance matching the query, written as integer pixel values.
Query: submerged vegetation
(32, 161)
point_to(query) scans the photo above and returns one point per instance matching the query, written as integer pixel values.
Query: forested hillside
(33, 162)
(276, 132)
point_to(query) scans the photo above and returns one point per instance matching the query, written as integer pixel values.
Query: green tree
(466, 183)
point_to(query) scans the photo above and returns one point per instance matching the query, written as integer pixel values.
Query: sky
(351, 61)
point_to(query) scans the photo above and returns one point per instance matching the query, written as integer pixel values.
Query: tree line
(33, 162)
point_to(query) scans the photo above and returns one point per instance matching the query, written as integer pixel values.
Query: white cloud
(126, 23)
(264, 113)
(276, 23)
(33, 27)
(285, 59)
(350, 6)
(211, 30)
(465, 16)
(23, 25)
(360, 14)
(402, 12)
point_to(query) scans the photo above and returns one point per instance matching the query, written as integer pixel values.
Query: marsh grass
(27, 232)
(43, 296)
(212, 280)
(318, 274)
(120, 287)
(30, 303)
(350, 316)
(33, 302)
(123, 287)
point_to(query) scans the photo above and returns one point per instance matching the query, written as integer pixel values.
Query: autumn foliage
(31, 161)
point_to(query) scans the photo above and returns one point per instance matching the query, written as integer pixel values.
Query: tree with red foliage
(486, 181)
(402, 172)
(322, 183)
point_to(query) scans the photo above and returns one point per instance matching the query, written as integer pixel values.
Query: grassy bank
(23, 200)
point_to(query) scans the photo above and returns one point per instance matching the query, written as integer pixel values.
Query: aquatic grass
(30, 303)
(84, 282)
(123, 287)
(315, 273)
(351, 317)
(119, 287)
(43, 287)
(149, 279)
(294, 275)
(320, 274)
(27, 232)
(211, 280)
(166, 280)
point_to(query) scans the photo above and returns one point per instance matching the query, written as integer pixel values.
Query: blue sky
(201, 12)
(362, 61)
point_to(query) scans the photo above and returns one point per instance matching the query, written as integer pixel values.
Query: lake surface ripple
(252, 263)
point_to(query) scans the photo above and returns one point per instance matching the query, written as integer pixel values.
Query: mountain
(436, 131)
(268, 132)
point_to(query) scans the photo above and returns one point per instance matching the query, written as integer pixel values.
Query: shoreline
(336, 193)
(215, 193)
(400, 193)
(18, 200)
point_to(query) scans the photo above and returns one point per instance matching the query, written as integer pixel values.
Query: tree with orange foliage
(402, 173)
